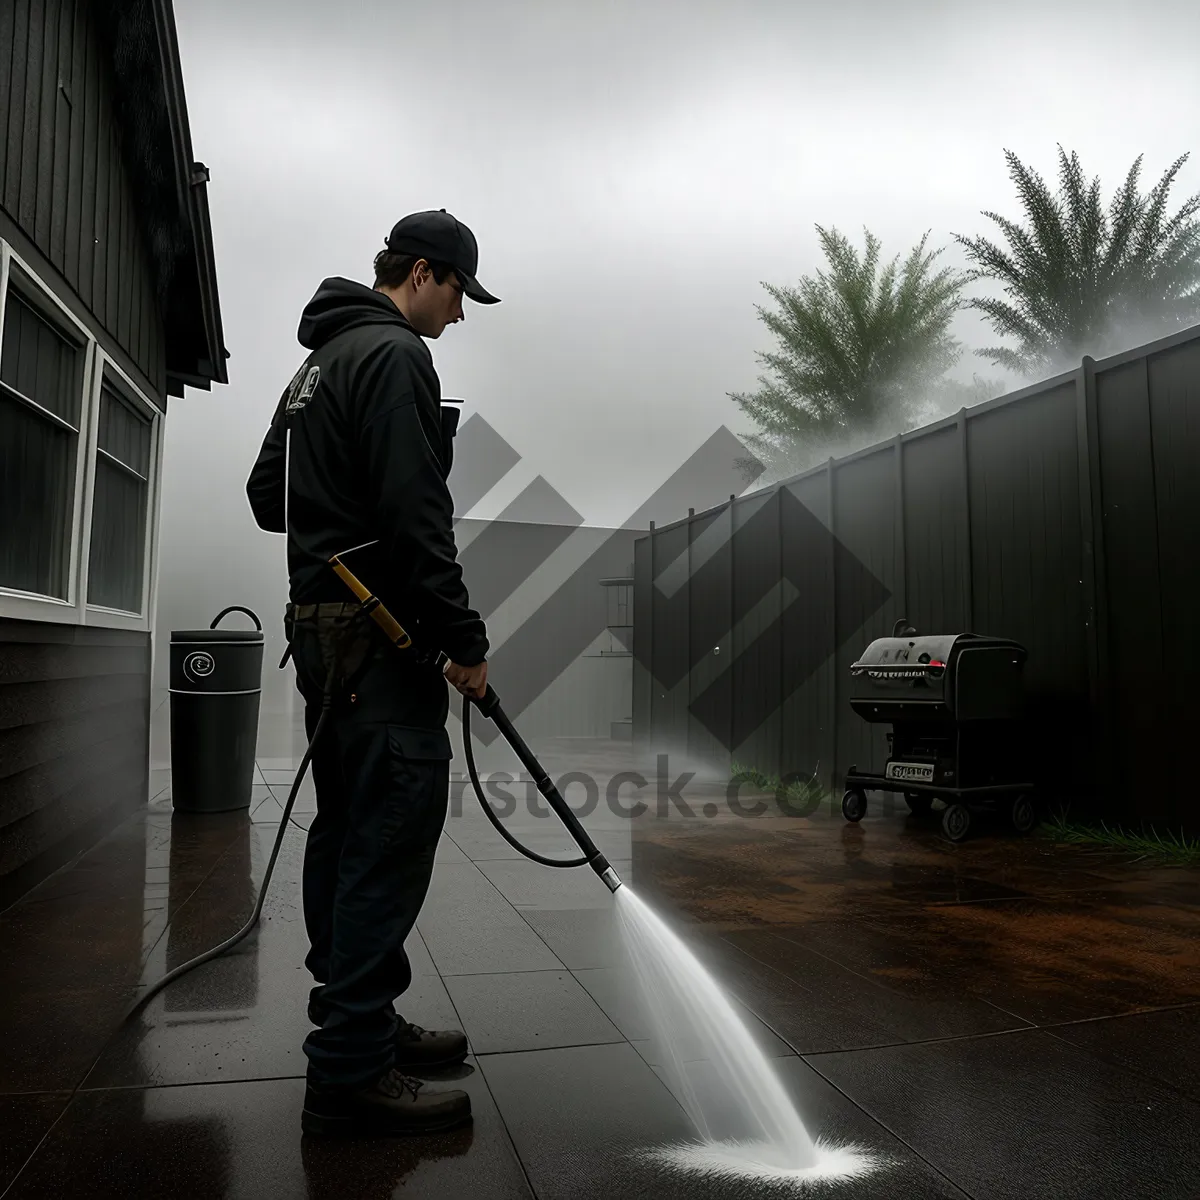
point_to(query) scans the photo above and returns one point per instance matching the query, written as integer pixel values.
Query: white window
(41, 406)
(117, 551)
(79, 463)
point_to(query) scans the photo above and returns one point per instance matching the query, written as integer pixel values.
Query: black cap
(438, 237)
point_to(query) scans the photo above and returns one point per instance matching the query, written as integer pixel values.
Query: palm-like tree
(857, 349)
(1080, 280)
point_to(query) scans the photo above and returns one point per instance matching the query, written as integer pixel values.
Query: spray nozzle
(610, 878)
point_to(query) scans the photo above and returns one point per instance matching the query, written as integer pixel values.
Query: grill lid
(919, 655)
(909, 651)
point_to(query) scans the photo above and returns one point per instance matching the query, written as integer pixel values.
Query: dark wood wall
(74, 701)
(74, 742)
(64, 189)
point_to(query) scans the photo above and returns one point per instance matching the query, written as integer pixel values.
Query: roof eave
(191, 179)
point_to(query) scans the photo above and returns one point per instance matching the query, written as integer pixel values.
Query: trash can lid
(216, 635)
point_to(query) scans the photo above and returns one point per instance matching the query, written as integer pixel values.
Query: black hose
(230, 942)
(487, 808)
(489, 705)
(591, 858)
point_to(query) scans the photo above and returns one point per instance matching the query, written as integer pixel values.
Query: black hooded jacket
(371, 447)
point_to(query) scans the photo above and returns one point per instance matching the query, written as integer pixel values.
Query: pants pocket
(419, 779)
(419, 745)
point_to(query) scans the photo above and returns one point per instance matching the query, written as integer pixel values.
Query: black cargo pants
(381, 773)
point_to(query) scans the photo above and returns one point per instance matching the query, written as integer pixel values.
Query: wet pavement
(1001, 1018)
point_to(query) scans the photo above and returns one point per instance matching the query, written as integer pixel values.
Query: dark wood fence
(1065, 515)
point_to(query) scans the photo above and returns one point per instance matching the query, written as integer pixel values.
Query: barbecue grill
(955, 704)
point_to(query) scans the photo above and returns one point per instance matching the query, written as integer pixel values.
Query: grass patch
(796, 791)
(1172, 849)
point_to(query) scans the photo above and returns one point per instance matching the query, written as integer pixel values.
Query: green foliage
(1174, 849)
(796, 792)
(1080, 280)
(858, 348)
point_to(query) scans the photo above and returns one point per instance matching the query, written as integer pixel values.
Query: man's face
(436, 305)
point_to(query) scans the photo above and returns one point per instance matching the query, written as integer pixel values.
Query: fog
(633, 172)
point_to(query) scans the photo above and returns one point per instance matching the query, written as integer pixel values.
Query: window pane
(124, 431)
(37, 490)
(37, 456)
(39, 362)
(115, 561)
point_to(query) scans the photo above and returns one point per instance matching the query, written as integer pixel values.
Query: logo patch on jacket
(301, 389)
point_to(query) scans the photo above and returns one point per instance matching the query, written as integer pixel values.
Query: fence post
(833, 638)
(901, 571)
(687, 642)
(966, 575)
(732, 627)
(654, 731)
(1091, 521)
(781, 770)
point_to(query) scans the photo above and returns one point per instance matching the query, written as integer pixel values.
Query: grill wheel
(854, 805)
(956, 822)
(1022, 815)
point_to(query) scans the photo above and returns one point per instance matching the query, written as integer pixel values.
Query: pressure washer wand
(489, 706)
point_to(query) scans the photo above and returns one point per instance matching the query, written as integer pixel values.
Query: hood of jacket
(341, 304)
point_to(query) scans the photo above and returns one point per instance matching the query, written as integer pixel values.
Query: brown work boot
(417, 1047)
(393, 1105)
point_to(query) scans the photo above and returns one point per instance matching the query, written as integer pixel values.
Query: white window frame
(74, 610)
(96, 614)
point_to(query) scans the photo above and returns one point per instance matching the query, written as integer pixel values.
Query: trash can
(216, 685)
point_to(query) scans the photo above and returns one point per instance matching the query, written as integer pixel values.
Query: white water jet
(725, 1083)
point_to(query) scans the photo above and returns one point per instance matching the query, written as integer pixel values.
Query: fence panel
(1027, 568)
(864, 522)
(1064, 517)
(711, 707)
(643, 685)
(935, 532)
(1131, 541)
(756, 629)
(670, 638)
(1175, 422)
(806, 717)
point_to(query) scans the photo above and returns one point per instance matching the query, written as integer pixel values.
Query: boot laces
(410, 1032)
(395, 1084)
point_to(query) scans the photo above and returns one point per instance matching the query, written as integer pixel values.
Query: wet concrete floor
(1002, 1018)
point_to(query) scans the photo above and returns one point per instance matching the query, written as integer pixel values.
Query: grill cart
(954, 702)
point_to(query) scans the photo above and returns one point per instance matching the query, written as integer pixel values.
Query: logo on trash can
(198, 665)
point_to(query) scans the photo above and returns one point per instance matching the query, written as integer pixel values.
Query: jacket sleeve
(266, 486)
(401, 434)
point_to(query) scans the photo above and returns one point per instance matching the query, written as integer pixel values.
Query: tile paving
(1004, 1018)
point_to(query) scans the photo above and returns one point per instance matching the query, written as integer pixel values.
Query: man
(370, 448)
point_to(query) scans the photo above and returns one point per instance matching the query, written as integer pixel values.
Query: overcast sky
(633, 171)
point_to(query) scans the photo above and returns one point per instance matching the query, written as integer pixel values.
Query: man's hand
(470, 681)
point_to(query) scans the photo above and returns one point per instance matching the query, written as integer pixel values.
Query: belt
(329, 608)
(332, 609)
